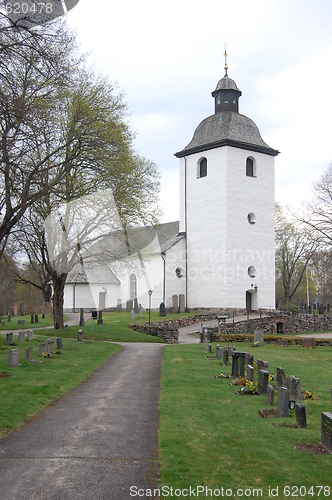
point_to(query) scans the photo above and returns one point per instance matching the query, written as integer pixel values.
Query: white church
(221, 252)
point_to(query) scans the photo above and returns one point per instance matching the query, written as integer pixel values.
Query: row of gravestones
(44, 350)
(288, 387)
(21, 337)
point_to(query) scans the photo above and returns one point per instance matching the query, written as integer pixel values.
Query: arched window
(133, 287)
(250, 167)
(202, 171)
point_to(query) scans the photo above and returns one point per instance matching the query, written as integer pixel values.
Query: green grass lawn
(26, 389)
(213, 437)
(13, 324)
(114, 328)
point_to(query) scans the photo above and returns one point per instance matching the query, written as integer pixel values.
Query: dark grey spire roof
(227, 129)
(227, 83)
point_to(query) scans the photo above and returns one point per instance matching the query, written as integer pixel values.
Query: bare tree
(295, 248)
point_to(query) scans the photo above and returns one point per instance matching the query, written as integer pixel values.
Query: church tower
(227, 209)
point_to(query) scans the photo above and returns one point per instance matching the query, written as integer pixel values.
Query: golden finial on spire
(226, 55)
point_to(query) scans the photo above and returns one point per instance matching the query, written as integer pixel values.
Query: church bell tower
(227, 209)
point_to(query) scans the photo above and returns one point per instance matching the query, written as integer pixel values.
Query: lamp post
(150, 293)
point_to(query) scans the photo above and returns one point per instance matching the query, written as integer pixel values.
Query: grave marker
(250, 373)
(235, 364)
(300, 415)
(21, 336)
(309, 343)
(80, 336)
(283, 402)
(82, 322)
(42, 350)
(182, 303)
(326, 430)
(281, 376)
(100, 317)
(59, 343)
(242, 356)
(259, 337)
(9, 338)
(270, 395)
(263, 381)
(28, 354)
(225, 356)
(175, 303)
(13, 357)
(119, 305)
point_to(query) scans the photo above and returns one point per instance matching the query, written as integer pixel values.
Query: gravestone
(309, 343)
(300, 415)
(282, 343)
(32, 318)
(235, 365)
(182, 303)
(9, 338)
(13, 357)
(59, 343)
(132, 314)
(217, 350)
(250, 373)
(259, 337)
(162, 310)
(129, 305)
(201, 331)
(21, 336)
(28, 354)
(283, 402)
(21, 322)
(119, 306)
(30, 335)
(36, 318)
(175, 303)
(281, 376)
(9, 318)
(259, 365)
(80, 336)
(293, 384)
(50, 346)
(225, 356)
(242, 356)
(140, 311)
(100, 317)
(263, 381)
(206, 339)
(326, 431)
(270, 395)
(82, 322)
(21, 309)
(42, 350)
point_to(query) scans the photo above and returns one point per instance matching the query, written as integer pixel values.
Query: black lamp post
(150, 293)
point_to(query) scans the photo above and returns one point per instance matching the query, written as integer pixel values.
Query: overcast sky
(168, 57)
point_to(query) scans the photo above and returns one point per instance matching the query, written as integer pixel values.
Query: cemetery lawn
(13, 324)
(211, 436)
(30, 387)
(114, 328)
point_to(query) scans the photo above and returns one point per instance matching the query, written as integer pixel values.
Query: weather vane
(226, 66)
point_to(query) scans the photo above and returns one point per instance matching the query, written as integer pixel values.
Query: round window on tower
(251, 218)
(179, 272)
(252, 271)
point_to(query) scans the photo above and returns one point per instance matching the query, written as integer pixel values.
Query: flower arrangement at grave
(309, 396)
(281, 345)
(271, 377)
(238, 381)
(221, 375)
(249, 388)
(256, 344)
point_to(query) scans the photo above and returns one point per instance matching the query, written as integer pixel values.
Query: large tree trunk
(58, 294)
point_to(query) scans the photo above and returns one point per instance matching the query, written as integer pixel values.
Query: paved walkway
(95, 442)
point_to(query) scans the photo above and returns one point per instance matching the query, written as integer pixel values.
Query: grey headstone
(13, 357)
(80, 336)
(30, 335)
(242, 356)
(42, 350)
(82, 322)
(175, 303)
(162, 310)
(250, 373)
(270, 395)
(21, 336)
(100, 317)
(263, 381)
(326, 431)
(21, 322)
(140, 311)
(9, 318)
(130, 305)
(28, 353)
(50, 346)
(9, 338)
(225, 356)
(283, 402)
(132, 314)
(259, 365)
(300, 415)
(20, 309)
(296, 389)
(119, 305)
(235, 364)
(182, 303)
(59, 343)
(259, 337)
(281, 376)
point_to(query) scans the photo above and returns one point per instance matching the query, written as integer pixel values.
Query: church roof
(227, 129)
